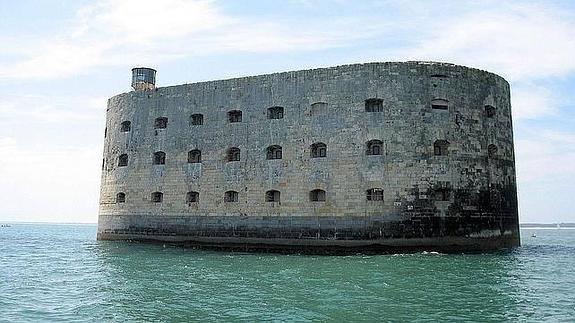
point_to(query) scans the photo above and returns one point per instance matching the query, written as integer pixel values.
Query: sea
(60, 273)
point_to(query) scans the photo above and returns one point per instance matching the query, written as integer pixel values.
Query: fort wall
(443, 165)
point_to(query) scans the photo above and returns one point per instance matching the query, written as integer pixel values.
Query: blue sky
(60, 60)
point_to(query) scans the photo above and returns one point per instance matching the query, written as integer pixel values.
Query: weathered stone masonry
(411, 156)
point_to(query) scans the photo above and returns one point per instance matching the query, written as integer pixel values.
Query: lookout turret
(143, 78)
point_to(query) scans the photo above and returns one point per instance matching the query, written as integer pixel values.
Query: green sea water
(61, 273)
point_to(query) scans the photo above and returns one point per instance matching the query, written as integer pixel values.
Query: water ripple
(60, 273)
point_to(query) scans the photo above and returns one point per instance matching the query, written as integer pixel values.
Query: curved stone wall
(442, 172)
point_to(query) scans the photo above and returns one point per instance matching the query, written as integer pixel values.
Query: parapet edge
(320, 69)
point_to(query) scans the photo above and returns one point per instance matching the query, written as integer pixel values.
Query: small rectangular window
(439, 104)
(161, 123)
(275, 113)
(375, 194)
(319, 108)
(197, 119)
(235, 116)
(374, 105)
(125, 126)
(157, 197)
(192, 197)
(490, 111)
(442, 194)
(231, 196)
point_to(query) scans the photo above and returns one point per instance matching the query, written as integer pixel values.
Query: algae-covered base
(313, 235)
(330, 247)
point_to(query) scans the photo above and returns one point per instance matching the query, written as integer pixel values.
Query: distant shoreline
(547, 225)
(50, 223)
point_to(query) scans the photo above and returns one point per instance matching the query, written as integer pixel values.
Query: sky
(60, 61)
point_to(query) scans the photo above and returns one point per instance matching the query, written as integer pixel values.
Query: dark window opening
(105, 132)
(123, 160)
(231, 196)
(273, 196)
(374, 147)
(441, 148)
(194, 156)
(192, 197)
(439, 75)
(317, 196)
(374, 194)
(159, 158)
(492, 151)
(318, 108)
(274, 152)
(374, 105)
(442, 194)
(197, 119)
(235, 116)
(157, 197)
(490, 111)
(161, 123)
(319, 149)
(439, 104)
(233, 154)
(125, 126)
(275, 113)
(121, 197)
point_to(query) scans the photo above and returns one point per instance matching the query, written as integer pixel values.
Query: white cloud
(525, 43)
(52, 156)
(532, 102)
(521, 42)
(140, 21)
(545, 155)
(22, 110)
(111, 33)
(545, 161)
(56, 59)
(48, 183)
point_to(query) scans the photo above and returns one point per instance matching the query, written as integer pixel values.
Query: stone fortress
(376, 157)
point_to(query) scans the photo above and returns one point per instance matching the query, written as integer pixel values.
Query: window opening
(161, 123)
(121, 197)
(441, 148)
(275, 113)
(439, 104)
(159, 158)
(490, 111)
(123, 160)
(374, 147)
(273, 196)
(274, 152)
(317, 196)
(157, 197)
(492, 151)
(374, 105)
(192, 197)
(374, 194)
(125, 126)
(197, 119)
(231, 196)
(318, 149)
(233, 154)
(194, 156)
(235, 116)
